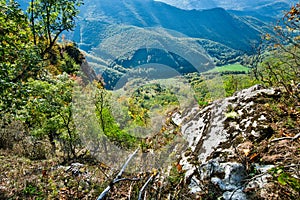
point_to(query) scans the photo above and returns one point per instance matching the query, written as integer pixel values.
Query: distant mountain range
(120, 35)
(215, 24)
(129, 33)
(265, 10)
(241, 5)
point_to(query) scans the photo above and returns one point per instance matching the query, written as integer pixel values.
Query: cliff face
(236, 144)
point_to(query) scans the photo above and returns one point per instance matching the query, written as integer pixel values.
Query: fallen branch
(146, 184)
(287, 138)
(118, 177)
(255, 177)
(129, 193)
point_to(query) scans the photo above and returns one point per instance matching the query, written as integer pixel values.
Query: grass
(229, 68)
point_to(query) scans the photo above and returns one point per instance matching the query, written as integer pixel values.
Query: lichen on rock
(227, 141)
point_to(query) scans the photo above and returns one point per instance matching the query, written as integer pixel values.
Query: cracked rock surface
(227, 141)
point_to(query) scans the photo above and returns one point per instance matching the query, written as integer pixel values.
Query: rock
(227, 176)
(263, 168)
(209, 133)
(262, 118)
(258, 182)
(75, 168)
(237, 194)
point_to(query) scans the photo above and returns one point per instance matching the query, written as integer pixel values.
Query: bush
(10, 133)
(32, 148)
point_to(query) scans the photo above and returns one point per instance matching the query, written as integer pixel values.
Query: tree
(280, 64)
(49, 18)
(110, 128)
(35, 92)
(48, 112)
(18, 57)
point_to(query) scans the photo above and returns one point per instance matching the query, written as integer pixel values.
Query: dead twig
(287, 138)
(146, 184)
(255, 177)
(129, 193)
(118, 177)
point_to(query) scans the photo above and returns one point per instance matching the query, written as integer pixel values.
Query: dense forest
(64, 135)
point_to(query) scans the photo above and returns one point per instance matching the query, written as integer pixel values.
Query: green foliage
(211, 87)
(110, 128)
(232, 115)
(48, 111)
(280, 68)
(220, 53)
(18, 58)
(73, 51)
(68, 64)
(233, 83)
(35, 90)
(285, 178)
(176, 175)
(32, 190)
(49, 18)
(137, 113)
(280, 65)
(144, 101)
(154, 94)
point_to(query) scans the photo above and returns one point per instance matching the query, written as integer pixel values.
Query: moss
(232, 115)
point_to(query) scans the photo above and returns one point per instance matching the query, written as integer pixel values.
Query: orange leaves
(294, 14)
(245, 148)
(253, 157)
(104, 166)
(267, 36)
(179, 168)
(76, 78)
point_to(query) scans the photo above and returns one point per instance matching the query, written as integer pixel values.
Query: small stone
(258, 183)
(263, 168)
(262, 118)
(235, 195)
(247, 124)
(254, 125)
(194, 186)
(255, 134)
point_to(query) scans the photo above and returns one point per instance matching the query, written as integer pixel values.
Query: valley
(149, 99)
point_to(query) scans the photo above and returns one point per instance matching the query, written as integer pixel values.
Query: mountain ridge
(214, 24)
(241, 5)
(122, 32)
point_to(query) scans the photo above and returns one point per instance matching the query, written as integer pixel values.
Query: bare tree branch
(118, 177)
(145, 185)
(287, 138)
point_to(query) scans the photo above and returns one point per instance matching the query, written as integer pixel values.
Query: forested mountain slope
(214, 24)
(138, 32)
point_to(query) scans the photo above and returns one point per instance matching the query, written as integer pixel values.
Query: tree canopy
(49, 18)
(37, 73)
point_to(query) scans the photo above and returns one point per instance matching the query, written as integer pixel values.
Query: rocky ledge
(238, 145)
